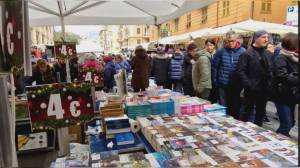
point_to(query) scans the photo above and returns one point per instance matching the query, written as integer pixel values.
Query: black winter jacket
(160, 68)
(254, 69)
(287, 73)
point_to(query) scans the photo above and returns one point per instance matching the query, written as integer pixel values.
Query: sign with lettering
(292, 16)
(65, 50)
(11, 35)
(91, 76)
(59, 105)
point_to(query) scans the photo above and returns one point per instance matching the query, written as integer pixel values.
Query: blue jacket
(124, 65)
(109, 72)
(175, 68)
(224, 64)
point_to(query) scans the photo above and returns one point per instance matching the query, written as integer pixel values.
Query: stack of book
(116, 125)
(112, 110)
(215, 109)
(135, 109)
(204, 140)
(192, 105)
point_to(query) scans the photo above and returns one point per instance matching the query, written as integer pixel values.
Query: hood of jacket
(177, 56)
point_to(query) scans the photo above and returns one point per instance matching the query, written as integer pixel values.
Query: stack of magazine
(209, 140)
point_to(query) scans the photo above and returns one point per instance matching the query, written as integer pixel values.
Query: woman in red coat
(141, 66)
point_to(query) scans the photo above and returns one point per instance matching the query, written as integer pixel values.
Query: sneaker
(267, 121)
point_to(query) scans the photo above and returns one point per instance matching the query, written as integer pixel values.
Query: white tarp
(184, 37)
(117, 12)
(88, 46)
(252, 26)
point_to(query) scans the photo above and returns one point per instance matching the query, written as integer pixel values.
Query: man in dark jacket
(189, 60)
(223, 68)
(176, 72)
(160, 67)
(255, 69)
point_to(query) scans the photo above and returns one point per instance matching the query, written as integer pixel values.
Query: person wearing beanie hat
(223, 73)
(254, 69)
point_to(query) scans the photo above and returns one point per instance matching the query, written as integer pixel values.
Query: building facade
(133, 35)
(225, 12)
(42, 35)
(109, 39)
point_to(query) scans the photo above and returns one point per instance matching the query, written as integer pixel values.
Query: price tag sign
(91, 77)
(11, 35)
(59, 105)
(65, 50)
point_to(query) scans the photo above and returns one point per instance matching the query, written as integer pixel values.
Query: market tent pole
(8, 155)
(27, 41)
(63, 133)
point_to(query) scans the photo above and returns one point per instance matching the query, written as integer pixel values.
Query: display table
(99, 144)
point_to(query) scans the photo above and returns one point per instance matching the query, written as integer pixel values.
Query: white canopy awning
(184, 37)
(252, 26)
(88, 46)
(109, 12)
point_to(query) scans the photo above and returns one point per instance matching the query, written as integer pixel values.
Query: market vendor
(42, 73)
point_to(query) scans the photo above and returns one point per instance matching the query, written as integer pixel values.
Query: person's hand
(193, 62)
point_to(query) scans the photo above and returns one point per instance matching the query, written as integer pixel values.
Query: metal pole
(26, 41)
(7, 143)
(63, 133)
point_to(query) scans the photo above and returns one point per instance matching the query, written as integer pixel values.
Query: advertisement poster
(11, 34)
(59, 105)
(65, 50)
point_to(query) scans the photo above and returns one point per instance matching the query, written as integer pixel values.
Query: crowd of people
(241, 77)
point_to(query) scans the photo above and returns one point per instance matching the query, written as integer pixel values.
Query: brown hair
(210, 40)
(41, 62)
(290, 41)
(119, 56)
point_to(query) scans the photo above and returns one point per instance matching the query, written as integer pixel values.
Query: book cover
(253, 163)
(179, 144)
(109, 159)
(124, 138)
(116, 131)
(272, 158)
(216, 155)
(134, 160)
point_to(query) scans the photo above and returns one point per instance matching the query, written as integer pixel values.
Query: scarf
(290, 54)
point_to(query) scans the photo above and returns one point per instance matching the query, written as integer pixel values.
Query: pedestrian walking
(176, 71)
(160, 68)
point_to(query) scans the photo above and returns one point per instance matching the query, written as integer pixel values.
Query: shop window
(204, 15)
(225, 8)
(138, 30)
(188, 21)
(176, 24)
(266, 7)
